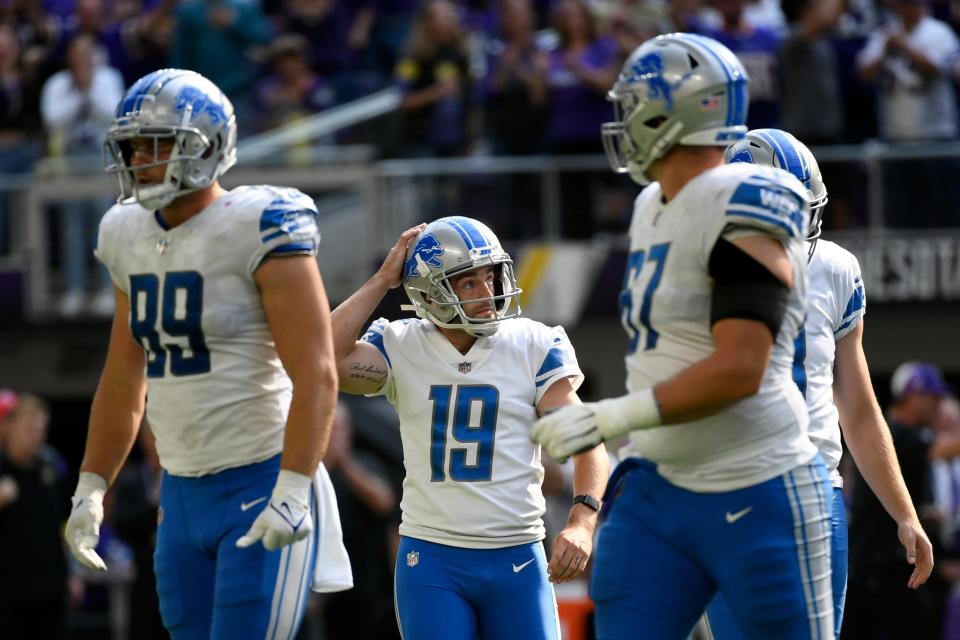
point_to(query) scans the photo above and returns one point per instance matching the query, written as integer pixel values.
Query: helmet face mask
(450, 248)
(171, 108)
(780, 149)
(674, 89)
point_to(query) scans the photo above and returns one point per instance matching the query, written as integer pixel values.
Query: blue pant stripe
(804, 551)
(283, 588)
(305, 571)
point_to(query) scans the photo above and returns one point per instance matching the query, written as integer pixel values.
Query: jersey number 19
(463, 430)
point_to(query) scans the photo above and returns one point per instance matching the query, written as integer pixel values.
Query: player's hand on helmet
(286, 519)
(918, 549)
(391, 271)
(82, 532)
(571, 552)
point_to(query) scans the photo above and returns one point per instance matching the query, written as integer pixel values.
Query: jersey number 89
(182, 308)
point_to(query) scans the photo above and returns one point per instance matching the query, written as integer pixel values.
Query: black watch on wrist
(587, 500)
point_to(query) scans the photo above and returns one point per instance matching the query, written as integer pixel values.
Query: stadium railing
(365, 203)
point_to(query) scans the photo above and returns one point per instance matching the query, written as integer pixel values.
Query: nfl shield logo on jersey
(413, 558)
(464, 367)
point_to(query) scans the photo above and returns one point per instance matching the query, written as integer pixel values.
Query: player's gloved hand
(286, 518)
(576, 428)
(83, 527)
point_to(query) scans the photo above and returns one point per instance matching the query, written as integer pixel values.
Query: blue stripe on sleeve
(289, 227)
(555, 359)
(769, 199)
(307, 246)
(855, 304)
(376, 339)
(845, 325)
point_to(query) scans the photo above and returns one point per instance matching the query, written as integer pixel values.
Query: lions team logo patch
(649, 69)
(425, 255)
(196, 102)
(413, 558)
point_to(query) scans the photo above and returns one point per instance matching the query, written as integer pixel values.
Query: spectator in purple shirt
(133, 38)
(581, 70)
(757, 48)
(293, 90)
(325, 24)
(516, 90)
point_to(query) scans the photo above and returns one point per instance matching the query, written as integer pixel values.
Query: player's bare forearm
(591, 469)
(734, 371)
(865, 430)
(119, 400)
(349, 317)
(295, 302)
(311, 416)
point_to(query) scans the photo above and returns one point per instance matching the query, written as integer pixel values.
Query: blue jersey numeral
(483, 433)
(799, 356)
(657, 255)
(145, 306)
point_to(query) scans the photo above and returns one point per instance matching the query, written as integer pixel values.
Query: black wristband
(587, 500)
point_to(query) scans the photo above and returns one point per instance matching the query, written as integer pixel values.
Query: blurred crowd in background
(513, 76)
(481, 77)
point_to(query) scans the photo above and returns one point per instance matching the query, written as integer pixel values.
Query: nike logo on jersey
(733, 517)
(519, 568)
(246, 505)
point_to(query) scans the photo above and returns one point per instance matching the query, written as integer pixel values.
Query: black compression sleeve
(744, 288)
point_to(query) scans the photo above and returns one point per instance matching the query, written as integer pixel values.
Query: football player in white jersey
(721, 489)
(831, 371)
(221, 317)
(468, 378)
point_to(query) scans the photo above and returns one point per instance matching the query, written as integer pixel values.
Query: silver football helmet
(777, 148)
(449, 247)
(677, 88)
(186, 109)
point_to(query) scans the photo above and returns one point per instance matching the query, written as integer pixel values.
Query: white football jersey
(835, 304)
(665, 308)
(473, 475)
(217, 394)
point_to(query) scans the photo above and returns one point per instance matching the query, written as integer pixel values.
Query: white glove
(576, 428)
(286, 518)
(83, 527)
